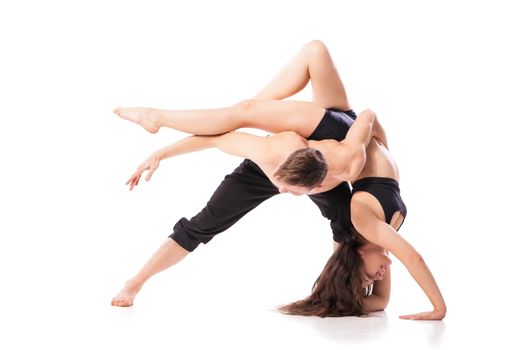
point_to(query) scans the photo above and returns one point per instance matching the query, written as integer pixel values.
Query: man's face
(295, 190)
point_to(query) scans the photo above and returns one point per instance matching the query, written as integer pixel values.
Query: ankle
(135, 283)
(158, 116)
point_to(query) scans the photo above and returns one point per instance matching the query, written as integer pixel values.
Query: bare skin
(345, 160)
(142, 116)
(360, 155)
(127, 294)
(311, 64)
(169, 254)
(270, 115)
(363, 156)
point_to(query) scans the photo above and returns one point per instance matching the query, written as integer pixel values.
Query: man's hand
(379, 133)
(435, 315)
(151, 164)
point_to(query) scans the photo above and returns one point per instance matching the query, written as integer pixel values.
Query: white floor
(445, 79)
(219, 297)
(169, 314)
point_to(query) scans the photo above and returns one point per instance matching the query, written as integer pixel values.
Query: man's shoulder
(289, 138)
(280, 146)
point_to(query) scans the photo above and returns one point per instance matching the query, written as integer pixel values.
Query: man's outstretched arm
(235, 143)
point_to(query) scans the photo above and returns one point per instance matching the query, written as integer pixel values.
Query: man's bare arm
(379, 133)
(235, 143)
(357, 140)
(365, 127)
(361, 131)
(353, 147)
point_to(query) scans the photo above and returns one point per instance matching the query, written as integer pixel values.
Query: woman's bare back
(379, 162)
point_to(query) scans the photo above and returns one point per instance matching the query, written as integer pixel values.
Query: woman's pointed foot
(145, 117)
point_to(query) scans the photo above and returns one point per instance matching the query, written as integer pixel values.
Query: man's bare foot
(126, 295)
(145, 117)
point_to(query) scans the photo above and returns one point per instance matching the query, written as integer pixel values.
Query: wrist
(160, 154)
(441, 308)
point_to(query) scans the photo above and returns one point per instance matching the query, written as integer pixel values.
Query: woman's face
(375, 263)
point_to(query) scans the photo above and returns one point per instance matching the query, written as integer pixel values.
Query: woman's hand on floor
(435, 315)
(151, 164)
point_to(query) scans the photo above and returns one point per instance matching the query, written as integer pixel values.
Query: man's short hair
(305, 168)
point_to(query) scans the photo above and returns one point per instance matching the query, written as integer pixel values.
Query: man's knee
(186, 235)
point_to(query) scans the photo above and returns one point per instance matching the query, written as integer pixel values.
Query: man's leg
(313, 62)
(238, 194)
(169, 254)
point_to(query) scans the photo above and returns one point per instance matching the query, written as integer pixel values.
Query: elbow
(370, 113)
(369, 117)
(376, 303)
(382, 306)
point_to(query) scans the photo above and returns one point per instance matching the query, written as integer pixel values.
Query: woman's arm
(380, 296)
(384, 235)
(235, 143)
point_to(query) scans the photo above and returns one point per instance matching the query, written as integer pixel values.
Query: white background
(446, 80)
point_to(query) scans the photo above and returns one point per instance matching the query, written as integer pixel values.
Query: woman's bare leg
(270, 115)
(169, 254)
(312, 62)
(193, 121)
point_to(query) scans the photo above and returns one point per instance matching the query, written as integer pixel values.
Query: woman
(376, 206)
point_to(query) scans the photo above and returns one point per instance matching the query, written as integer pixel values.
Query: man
(253, 181)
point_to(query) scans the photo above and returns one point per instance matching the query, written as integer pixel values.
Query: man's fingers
(134, 176)
(135, 182)
(149, 174)
(152, 169)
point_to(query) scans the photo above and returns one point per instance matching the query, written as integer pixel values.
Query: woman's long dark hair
(338, 290)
